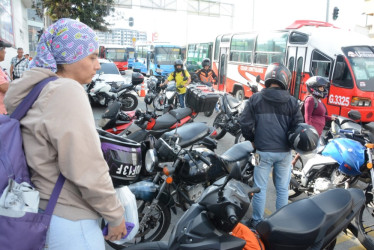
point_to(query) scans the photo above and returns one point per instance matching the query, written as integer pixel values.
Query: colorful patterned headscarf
(64, 42)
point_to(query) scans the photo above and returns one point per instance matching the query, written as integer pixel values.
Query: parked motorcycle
(154, 202)
(312, 223)
(227, 120)
(100, 92)
(191, 170)
(345, 161)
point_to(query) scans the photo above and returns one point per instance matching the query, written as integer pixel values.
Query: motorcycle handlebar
(231, 215)
(205, 160)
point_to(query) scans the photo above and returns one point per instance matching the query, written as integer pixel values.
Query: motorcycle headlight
(151, 160)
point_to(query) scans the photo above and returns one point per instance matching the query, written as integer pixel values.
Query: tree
(90, 12)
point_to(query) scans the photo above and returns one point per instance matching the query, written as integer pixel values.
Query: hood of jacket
(275, 96)
(18, 89)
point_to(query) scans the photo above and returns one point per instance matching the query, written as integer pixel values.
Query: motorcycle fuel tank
(195, 171)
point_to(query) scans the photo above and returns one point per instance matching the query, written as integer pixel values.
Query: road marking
(267, 211)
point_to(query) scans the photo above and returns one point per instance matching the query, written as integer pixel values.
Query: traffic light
(131, 21)
(335, 13)
(40, 33)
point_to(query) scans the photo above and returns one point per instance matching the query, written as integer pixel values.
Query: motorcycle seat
(123, 86)
(181, 113)
(189, 134)
(237, 154)
(233, 102)
(164, 122)
(302, 224)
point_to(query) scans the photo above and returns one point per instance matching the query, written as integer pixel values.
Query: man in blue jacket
(265, 121)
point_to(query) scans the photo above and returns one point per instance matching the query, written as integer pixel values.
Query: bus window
(271, 48)
(361, 59)
(342, 76)
(291, 63)
(299, 70)
(298, 38)
(241, 48)
(321, 64)
(216, 48)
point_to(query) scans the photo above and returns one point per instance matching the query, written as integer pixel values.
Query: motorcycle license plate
(128, 170)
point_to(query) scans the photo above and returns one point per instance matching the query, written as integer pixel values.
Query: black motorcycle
(227, 120)
(312, 223)
(191, 170)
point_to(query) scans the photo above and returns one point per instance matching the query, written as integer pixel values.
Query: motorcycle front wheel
(217, 124)
(159, 102)
(293, 191)
(208, 113)
(129, 102)
(155, 228)
(365, 223)
(239, 138)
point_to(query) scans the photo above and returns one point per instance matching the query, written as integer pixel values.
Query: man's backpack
(12, 157)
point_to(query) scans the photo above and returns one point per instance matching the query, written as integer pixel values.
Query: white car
(109, 73)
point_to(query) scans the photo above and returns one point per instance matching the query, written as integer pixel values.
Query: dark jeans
(181, 100)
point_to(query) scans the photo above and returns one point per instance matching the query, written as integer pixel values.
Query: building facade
(122, 37)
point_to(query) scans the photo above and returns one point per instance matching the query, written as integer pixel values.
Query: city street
(343, 242)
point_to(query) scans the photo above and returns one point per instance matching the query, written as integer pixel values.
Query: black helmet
(279, 74)
(121, 154)
(314, 83)
(148, 99)
(303, 138)
(178, 62)
(205, 62)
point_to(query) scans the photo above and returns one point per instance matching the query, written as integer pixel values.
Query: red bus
(307, 48)
(122, 56)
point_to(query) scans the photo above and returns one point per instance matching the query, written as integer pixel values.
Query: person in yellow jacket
(182, 78)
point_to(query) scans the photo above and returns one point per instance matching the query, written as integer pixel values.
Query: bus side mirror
(339, 70)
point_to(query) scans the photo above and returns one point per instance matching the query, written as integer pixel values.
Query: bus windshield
(362, 61)
(116, 55)
(167, 55)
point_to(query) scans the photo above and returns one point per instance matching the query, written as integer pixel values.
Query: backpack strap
(18, 114)
(29, 100)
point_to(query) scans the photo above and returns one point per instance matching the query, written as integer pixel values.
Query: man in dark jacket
(265, 121)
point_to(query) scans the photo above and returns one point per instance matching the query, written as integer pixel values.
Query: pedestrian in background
(59, 136)
(18, 65)
(267, 118)
(182, 79)
(4, 77)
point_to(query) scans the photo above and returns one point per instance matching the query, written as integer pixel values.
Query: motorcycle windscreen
(348, 153)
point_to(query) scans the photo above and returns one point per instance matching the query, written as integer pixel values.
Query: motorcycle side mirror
(234, 174)
(354, 115)
(258, 79)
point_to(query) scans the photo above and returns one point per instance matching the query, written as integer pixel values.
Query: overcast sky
(180, 27)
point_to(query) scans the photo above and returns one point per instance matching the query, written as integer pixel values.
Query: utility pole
(327, 11)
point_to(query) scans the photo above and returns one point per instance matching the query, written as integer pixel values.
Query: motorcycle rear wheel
(153, 232)
(129, 102)
(365, 225)
(159, 102)
(220, 118)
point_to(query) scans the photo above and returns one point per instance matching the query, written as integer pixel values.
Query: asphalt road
(343, 242)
